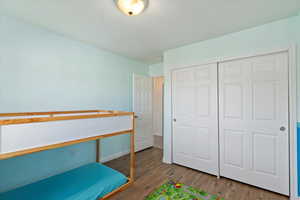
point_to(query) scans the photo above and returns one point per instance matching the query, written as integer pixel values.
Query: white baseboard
(295, 198)
(157, 134)
(166, 161)
(114, 156)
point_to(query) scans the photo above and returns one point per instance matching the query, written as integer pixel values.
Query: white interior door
(195, 113)
(142, 106)
(254, 126)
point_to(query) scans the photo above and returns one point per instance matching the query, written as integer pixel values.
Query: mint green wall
(41, 70)
(276, 35)
(156, 69)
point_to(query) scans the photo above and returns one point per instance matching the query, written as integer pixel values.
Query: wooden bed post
(98, 160)
(132, 163)
(132, 150)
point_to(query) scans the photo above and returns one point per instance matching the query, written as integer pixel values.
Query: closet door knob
(174, 120)
(282, 128)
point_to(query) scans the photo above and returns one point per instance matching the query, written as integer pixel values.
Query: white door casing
(142, 106)
(253, 96)
(195, 112)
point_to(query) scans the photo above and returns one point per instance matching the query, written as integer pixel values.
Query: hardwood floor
(151, 173)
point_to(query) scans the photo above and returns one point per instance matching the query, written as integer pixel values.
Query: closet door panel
(195, 129)
(253, 109)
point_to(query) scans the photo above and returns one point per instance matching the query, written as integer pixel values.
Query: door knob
(282, 128)
(174, 120)
(135, 116)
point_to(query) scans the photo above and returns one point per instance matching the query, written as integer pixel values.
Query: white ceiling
(165, 24)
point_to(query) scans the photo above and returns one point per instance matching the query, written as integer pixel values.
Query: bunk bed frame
(38, 117)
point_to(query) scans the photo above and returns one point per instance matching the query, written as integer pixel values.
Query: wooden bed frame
(38, 117)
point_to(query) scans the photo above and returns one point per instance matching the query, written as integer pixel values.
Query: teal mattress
(88, 182)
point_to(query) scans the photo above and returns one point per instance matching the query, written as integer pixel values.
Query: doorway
(158, 91)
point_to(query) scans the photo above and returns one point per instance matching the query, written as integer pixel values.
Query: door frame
(292, 68)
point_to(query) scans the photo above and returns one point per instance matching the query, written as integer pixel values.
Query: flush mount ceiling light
(132, 7)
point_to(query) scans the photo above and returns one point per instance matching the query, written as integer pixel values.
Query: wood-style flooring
(151, 173)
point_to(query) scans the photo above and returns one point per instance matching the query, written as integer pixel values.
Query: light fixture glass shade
(132, 7)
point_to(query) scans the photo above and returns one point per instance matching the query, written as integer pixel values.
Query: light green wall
(156, 69)
(40, 71)
(276, 35)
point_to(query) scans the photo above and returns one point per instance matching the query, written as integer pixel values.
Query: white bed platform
(19, 137)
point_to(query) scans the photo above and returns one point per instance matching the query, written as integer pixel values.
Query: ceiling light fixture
(132, 7)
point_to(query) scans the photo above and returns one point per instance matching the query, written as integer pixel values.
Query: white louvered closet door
(195, 125)
(254, 121)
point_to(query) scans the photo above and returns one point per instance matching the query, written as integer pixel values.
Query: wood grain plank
(60, 118)
(98, 151)
(132, 149)
(50, 112)
(120, 189)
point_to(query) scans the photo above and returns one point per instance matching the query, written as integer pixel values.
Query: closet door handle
(174, 120)
(282, 128)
